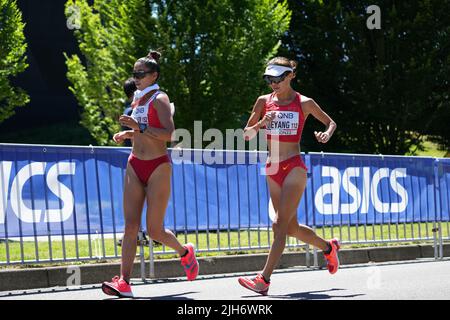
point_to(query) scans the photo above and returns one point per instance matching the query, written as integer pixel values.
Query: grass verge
(38, 253)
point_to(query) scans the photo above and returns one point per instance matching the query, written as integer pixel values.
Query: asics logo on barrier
(362, 193)
(23, 176)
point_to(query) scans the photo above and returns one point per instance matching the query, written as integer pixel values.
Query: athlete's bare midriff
(280, 151)
(148, 148)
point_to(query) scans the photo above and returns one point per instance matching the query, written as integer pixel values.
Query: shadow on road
(311, 295)
(178, 296)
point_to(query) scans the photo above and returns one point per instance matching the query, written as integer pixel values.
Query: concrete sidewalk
(45, 277)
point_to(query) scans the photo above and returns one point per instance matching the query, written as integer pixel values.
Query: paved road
(420, 279)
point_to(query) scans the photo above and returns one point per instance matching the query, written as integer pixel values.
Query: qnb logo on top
(285, 123)
(362, 189)
(21, 207)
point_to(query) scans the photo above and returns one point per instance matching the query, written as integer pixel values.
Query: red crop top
(144, 111)
(289, 120)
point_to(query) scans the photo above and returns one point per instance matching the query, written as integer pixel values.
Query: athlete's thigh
(292, 192)
(275, 193)
(158, 194)
(133, 196)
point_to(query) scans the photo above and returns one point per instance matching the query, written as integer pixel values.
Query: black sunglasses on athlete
(140, 74)
(272, 79)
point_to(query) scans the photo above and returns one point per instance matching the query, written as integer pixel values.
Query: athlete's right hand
(268, 117)
(127, 121)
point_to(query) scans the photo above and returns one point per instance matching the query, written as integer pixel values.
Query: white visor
(276, 70)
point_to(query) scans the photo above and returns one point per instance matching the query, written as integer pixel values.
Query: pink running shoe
(332, 258)
(117, 287)
(189, 263)
(256, 284)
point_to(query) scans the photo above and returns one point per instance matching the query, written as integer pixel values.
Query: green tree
(213, 56)
(12, 58)
(386, 88)
(111, 36)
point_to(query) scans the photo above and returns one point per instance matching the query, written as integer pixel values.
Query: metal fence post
(141, 253)
(315, 260)
(307, 257)
(152, 258)
(441, 247)
(435, 245)
(436, 229)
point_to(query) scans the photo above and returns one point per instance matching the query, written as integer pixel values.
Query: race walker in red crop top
(287, 126)
(145, 114)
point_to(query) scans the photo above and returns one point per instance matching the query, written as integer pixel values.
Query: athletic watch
(142, 127)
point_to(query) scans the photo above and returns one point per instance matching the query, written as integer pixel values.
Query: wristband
(142, 127)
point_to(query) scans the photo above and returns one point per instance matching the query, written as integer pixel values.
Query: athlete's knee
(280, 227)
(292, 230)
(131, 228)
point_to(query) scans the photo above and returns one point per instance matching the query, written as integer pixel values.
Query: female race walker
(148, 173)
(283, 114)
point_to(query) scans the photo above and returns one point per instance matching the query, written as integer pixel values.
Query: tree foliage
(12, 58)
(213, 56)
(386, 88)
(110, 36)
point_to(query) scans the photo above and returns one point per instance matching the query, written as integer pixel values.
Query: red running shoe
(256, 284)
(189, 263)
(332, 258)
(117, 287)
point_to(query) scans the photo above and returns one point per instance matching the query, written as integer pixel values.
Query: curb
(97, 273)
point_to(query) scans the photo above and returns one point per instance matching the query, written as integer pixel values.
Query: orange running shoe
(256, 284)
(332, 258)
(117, 287)
(189, 263)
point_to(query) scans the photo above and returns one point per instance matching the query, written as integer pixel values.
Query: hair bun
(293, 64)
(155, 55)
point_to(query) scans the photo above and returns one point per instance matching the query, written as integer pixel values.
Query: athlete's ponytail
(293, 64)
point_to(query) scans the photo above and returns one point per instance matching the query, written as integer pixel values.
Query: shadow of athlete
(148, 173)
(178, 296)
(314, 295)
(283, 114)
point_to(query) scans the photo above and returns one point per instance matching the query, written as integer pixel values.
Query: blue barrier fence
(54, 190)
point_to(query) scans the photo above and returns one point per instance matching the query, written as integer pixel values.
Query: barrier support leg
(152, 258)
(441, 246)
(141, 253)
(307, 257)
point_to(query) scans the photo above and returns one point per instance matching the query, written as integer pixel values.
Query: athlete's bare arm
(254, 124)
(129, 122)
(119, 137)
(311, 107)
(162, 106)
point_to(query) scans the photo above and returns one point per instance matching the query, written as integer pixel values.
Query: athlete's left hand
(119, 137)
(322, 137)
(129, 122)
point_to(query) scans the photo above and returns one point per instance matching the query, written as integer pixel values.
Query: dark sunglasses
(140, 74)
(272, 79)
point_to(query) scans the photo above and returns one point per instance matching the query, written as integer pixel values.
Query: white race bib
(140, 114)
(285, 123)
